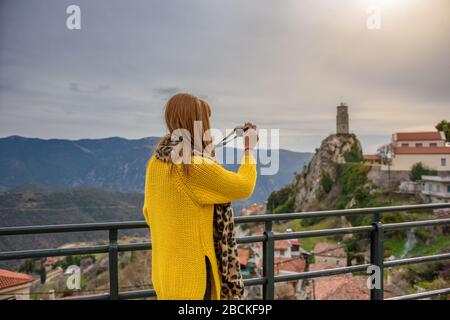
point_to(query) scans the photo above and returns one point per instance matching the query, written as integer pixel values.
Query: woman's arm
(210, 183)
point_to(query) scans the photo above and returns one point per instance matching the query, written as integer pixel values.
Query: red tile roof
(372, 157)
(290, 264)
(279, 244)
(422, 150)
(329, 249)
(339, 287)
(345, 286)
(415, 136)
(11, 279)
(282, 244)
(52, 260)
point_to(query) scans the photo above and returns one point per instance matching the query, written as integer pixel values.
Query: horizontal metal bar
(134, 246)
(41, 253)
(137, 294)
(98, 226)
(422, 295)
(105, 296)
(401, 262)
(321, 273)
(79, 227)
(338, 213)
(251, 239)
(414, 224)
(254, 281)
(321, 233)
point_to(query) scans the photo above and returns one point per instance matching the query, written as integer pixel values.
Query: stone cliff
(316, 185)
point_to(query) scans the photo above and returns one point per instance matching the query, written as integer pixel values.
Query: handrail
(268, 280)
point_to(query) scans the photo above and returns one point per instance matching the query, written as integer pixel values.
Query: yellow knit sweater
(179, 212)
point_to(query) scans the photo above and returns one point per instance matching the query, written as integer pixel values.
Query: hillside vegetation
(337, 178)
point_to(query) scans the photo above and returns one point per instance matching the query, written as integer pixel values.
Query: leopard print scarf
(225, 246)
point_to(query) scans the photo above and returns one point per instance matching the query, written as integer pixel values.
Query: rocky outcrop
(316, 182)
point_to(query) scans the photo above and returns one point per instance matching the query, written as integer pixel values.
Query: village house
(339, 287)
(409, 148)
(14, 285)
(246, 262)
(289, 258)
(372, 159)
(50, 261)
(283, 248)
(435, 188)
(253, 209)
(288, 266)
(329, 254)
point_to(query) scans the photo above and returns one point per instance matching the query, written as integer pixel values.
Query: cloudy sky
(281, 64)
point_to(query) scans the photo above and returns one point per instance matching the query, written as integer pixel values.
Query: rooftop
(372, 157)
(419, 136)
(12, 279)
(290, 264)
(329, 250)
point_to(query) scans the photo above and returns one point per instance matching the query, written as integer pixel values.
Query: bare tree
(385, 154)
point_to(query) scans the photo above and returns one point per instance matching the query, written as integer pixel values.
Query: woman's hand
(250, 137)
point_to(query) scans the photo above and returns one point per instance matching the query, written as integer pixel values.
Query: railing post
(268, 266)
(113, 267)
(377, 258)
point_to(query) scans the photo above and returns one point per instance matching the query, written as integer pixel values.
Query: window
(419, 145)
(443, 162)
(433, 144)
(405, 144)
(438, 188)
(429, 187)
(448, 188)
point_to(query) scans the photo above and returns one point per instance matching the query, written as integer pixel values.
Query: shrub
(286, 207)
(418, 170)
(326, 182)
(350, 176)
(281, 199)
(311, 221)
(354, 154)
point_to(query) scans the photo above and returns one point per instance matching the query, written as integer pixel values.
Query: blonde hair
(181, 112)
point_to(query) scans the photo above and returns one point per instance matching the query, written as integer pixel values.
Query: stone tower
(342, 119)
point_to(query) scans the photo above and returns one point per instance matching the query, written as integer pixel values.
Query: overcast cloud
(282, 64)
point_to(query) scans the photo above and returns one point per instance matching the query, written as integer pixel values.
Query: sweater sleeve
(210, 183)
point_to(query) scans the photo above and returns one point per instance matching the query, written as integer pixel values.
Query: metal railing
(376, 231)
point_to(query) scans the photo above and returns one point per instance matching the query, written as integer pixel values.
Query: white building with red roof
(14, 285)
(429, 148)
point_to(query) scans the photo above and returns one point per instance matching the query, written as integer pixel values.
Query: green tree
(445, 127)
(326, 182)
(354, 154)
(418, 170)
(282, 200)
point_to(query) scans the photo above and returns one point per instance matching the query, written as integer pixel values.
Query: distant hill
(65, 206)
(113, 163)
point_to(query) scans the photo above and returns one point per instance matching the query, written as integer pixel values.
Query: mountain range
(115, 163)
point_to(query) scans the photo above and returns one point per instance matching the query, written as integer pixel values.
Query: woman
(179, 202)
